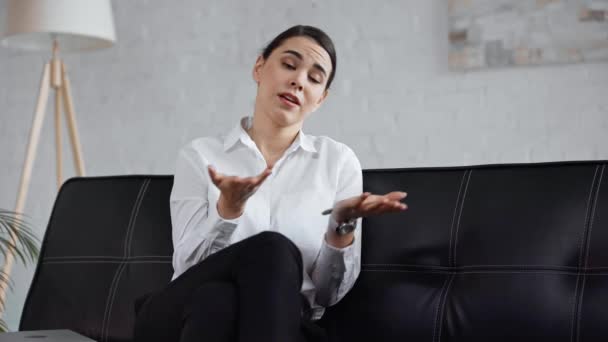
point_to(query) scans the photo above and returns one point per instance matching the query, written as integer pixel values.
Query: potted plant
(15, 234)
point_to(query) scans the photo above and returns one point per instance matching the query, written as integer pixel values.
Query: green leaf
(3, 326)
(25, 244)
(16, 234)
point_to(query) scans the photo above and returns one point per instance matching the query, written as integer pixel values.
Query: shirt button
(334, 271)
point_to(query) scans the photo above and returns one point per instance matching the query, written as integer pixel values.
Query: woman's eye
(314, 80)
(289, 66)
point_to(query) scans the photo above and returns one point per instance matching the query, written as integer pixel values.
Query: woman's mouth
(289, 100)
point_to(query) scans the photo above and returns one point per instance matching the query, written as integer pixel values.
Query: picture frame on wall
(486, 34)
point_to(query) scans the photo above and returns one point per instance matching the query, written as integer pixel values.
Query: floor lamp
(51, 25)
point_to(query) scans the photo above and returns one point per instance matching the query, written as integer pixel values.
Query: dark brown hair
(311, 32)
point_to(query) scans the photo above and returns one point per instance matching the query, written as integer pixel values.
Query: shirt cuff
(335, 257)
(337, 251)
(224, 227)
(332, 268)
(217, 215)
(331, 255)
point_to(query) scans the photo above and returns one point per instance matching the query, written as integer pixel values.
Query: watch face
(345, 228)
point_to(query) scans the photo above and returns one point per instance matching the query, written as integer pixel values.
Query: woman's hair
(311, 32)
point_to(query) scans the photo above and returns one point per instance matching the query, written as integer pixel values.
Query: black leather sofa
(513, 252)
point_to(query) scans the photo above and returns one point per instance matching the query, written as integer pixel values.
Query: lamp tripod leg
(71, 119)
(58, 144)
(26, 173)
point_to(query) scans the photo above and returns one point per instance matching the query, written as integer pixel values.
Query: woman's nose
(297, 85)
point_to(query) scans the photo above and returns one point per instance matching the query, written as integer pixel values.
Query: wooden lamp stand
(54, 75)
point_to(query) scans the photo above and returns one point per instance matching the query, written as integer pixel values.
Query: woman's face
(291, 82)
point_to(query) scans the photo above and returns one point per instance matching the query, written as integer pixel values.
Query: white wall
(182, 70)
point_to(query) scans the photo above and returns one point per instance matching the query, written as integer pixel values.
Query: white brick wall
(182, 70)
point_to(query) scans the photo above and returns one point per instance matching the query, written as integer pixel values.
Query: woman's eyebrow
(299, 56)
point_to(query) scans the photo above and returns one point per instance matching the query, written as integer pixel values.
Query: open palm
(368, 204)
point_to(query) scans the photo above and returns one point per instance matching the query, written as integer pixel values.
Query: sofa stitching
(107, 262)
(105, 333)
(445, 299)
(485, 265)
(106, 257)
(372, 265)
(131, 233)
(133, 218)
(597, 193)
(442, 271)
(586, 258)
(108, 301)
(438, 270)
(453, 238)
(578, 306)
(464, 196)
(581, 240)
(581, 246)
(106, 315)
(128, 248)
(444, 289)
(484, 272)
(437, 310)
(454, 216)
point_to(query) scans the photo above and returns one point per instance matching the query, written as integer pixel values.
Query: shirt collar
(238, 133)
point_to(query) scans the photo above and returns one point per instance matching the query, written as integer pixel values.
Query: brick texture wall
(182, 69)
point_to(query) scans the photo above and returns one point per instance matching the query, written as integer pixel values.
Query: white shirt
(311, 175)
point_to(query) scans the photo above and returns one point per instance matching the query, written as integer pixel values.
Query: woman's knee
(277, 243)
(274, 249)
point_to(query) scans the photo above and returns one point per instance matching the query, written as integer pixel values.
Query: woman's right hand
(235, 191)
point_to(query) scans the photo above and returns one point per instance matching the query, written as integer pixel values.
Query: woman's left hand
(368, 204)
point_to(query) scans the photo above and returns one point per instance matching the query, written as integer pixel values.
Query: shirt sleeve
(197, 228)
(335, 270)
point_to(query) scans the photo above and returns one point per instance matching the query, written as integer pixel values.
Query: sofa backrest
(490, 253)
(108, 242)
(495, 252)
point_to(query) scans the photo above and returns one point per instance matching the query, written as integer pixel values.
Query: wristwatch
(343, 228)
(346, 227)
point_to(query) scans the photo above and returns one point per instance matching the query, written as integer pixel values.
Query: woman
(254, 258)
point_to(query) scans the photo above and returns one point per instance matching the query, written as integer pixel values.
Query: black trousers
(249, 291)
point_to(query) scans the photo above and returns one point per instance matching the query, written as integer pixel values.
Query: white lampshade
(77, 25)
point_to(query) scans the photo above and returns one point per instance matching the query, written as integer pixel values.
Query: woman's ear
(256, 69)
